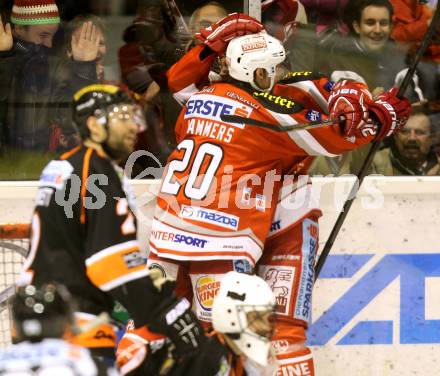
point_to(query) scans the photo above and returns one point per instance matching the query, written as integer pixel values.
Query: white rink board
(377, 309)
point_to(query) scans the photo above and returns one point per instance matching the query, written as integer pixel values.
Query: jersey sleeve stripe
(115, 267)
(310, 88)
(136, 337)
(117, 248)
(309, 143)
(297, 359)
(184, 94)
(124, 279)
(202, 256)
(302, 138)
(85, 175)
(134, 361)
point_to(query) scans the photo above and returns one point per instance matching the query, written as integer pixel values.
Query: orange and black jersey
(84, 233)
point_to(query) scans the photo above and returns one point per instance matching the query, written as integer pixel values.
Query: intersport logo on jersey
(178, 238)
(209, 216)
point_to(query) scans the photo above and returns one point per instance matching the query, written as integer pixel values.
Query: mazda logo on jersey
(179, 238)
(210, 216)
(186, 211)
(206, 290)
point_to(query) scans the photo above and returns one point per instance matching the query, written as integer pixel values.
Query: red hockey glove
(391, 112)
(218, 35)
(350, 100)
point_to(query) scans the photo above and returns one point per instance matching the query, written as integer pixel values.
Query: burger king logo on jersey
(206, 288)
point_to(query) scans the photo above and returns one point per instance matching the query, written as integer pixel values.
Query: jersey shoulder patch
(277, 103)
(292, 77)
(55, 174)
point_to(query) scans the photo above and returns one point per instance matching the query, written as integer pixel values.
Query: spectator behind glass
(64, 136)
(412, 150)
(327, 15)
(368, 55)
(30, 89)
(73, 32)
(143, 71)
(203, 17)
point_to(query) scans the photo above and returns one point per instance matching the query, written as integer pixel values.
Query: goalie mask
(247, 53)
(41, 312)
(242, 310)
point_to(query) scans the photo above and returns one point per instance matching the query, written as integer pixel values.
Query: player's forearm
(192, 68)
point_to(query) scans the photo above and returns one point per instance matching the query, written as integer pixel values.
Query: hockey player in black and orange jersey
(84, 229)
(232, 196)
(42, 317)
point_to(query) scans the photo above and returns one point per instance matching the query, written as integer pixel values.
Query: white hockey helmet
(240, 296)
(247, 53)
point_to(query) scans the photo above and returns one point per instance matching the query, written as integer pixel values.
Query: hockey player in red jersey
(233, 196)
(84, 228)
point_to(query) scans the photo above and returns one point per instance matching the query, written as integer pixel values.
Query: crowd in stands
(45, 57)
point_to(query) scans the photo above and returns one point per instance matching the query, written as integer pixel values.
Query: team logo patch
(206, 290)
(313, 115)
(243, 266)
(134, 259)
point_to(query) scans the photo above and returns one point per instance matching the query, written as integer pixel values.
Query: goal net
(13, 250)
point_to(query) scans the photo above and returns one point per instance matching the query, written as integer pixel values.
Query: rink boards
(377, 302)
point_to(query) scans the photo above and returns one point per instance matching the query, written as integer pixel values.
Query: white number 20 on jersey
(196, 186)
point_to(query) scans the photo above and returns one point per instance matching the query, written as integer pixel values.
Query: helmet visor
(124, 112)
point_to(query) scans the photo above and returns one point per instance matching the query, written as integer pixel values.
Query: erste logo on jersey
(206, 290)
(212, 107)
(210, 216)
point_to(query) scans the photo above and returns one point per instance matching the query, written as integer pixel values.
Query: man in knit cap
(35, 21)
(35, 85)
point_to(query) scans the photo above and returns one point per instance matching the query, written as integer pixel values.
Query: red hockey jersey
(222, 183)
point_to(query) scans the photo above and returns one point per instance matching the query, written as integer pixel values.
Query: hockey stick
(276, 127)
(374, 148)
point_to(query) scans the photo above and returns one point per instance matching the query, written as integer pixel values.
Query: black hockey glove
(175, 319)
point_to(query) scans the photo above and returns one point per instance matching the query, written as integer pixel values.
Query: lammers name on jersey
(204, 111)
